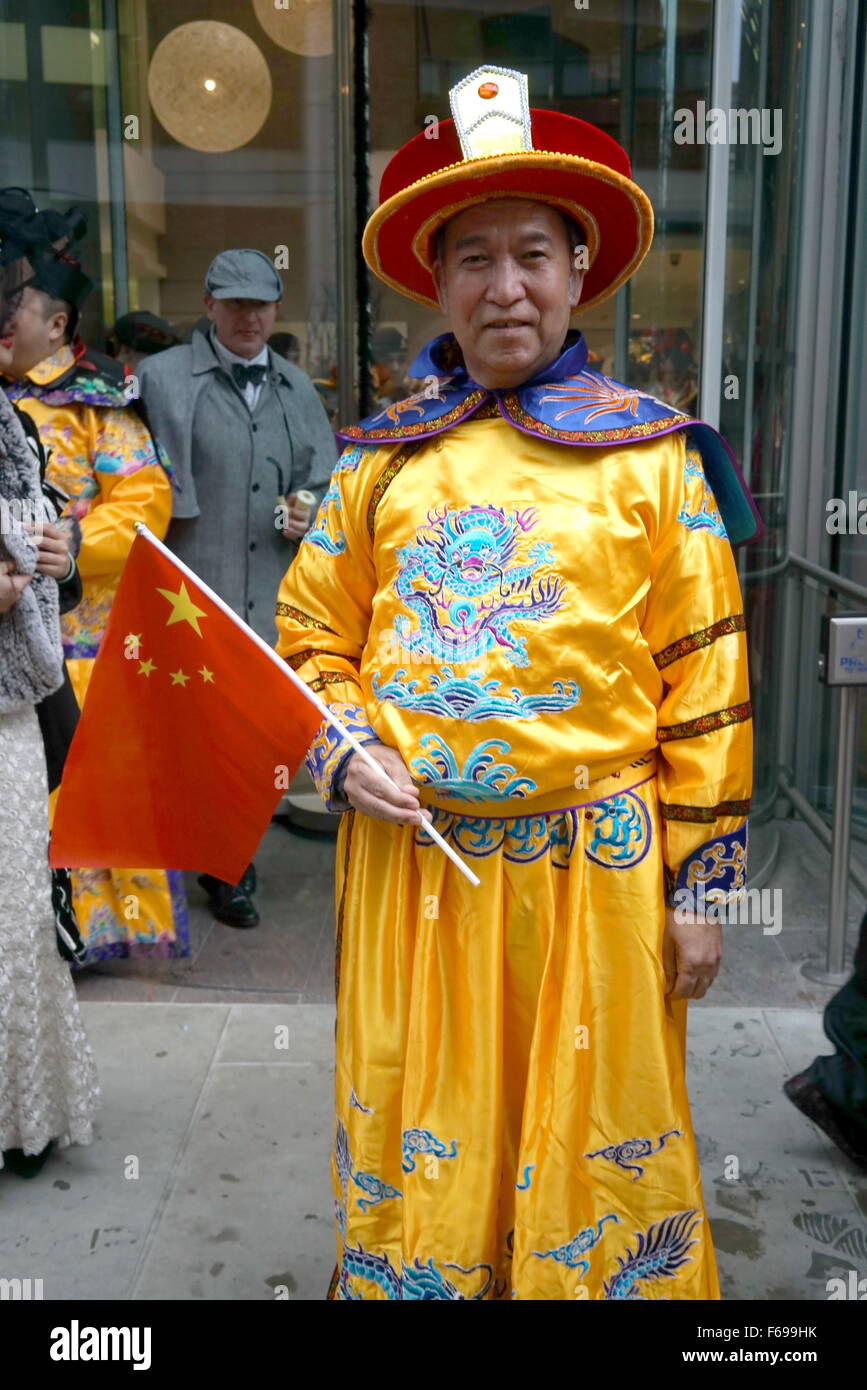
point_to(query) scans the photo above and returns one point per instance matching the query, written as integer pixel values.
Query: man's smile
(508, 325)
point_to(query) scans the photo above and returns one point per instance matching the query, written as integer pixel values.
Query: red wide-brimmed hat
(497, 146)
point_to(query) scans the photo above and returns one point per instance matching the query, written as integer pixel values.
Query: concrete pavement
(209, 1175)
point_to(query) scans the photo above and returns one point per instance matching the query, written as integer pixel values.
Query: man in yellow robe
(520, 593)
(103, 458)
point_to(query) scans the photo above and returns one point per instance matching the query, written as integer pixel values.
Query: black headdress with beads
(44, 238)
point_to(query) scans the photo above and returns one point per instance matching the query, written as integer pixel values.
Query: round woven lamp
(210, 86)
(303, 26)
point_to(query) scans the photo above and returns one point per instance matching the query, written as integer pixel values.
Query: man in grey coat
(245, 431)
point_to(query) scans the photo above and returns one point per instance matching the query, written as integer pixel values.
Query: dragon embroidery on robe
(467, 587)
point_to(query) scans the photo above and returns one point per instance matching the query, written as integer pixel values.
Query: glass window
(181, 130)
(759, 341)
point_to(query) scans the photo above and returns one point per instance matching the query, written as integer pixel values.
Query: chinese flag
(188, 735)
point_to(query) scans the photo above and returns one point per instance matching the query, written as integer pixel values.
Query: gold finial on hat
(491, 110)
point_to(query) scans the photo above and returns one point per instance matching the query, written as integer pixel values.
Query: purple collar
(566, 403)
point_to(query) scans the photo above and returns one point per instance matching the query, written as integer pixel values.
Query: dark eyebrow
(475, 238)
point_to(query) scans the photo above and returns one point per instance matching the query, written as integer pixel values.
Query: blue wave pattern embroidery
(470, 697)
(621, 831)
(328, 748)
(706, 517)
(480, 778)
(660, 1253)
(419, 1281)
(624, 1154)
(719, 863)
(571, 1254)
(418, 1142)
(524, 1184)
(328, 514)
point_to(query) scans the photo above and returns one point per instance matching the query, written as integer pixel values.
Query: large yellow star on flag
(183, 608)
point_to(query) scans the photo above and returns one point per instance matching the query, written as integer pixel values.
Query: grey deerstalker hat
(243, 274)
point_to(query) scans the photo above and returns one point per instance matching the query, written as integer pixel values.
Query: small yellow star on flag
(145, 667)
(183, 608)
(179, 677)
(206, 675)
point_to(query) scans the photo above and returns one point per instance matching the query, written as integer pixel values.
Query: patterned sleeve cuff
(715, 872)
(328, 755)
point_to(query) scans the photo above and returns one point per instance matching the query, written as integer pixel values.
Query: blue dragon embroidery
(630, 1149)
(424, 1281)
(421, 1141)
(458, 581)
(480, 778)
(660, 1253)
(376, 1188)
(525, 1179)
(707, 517)
(359, 1263)
(571, 1253)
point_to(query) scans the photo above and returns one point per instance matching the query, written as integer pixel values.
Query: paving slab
(82, 1223)
(250, 1209)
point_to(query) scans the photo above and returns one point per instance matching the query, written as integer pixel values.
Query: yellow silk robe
(103, 459)
(553, 639)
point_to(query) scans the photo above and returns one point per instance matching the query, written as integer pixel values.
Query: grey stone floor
(209, 1175)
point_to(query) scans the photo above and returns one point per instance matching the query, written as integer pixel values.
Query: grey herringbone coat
(229, 464)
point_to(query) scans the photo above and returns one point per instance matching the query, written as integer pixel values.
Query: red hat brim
(576, 167)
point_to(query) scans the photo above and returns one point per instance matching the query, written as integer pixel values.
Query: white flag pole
(309, 694)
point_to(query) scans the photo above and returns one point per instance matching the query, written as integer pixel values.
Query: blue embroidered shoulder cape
(568, 402)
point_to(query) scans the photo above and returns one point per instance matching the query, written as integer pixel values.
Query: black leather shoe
(248, 881)
(229, 902)
(803, 1092)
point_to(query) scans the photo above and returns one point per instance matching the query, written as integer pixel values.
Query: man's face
(507, 282)
(35, 333)
(243, 325)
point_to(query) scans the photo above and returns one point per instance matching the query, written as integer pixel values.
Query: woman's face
(13, 278)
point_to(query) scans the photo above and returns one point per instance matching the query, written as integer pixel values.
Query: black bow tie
(242, 374)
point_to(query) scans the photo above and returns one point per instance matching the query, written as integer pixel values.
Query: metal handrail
(810, 816)
(837, 582)
(837, 838)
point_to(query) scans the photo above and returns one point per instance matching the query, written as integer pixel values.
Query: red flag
(188, 735)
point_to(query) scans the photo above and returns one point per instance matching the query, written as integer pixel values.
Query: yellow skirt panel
(126, 912)
(512, 1118)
